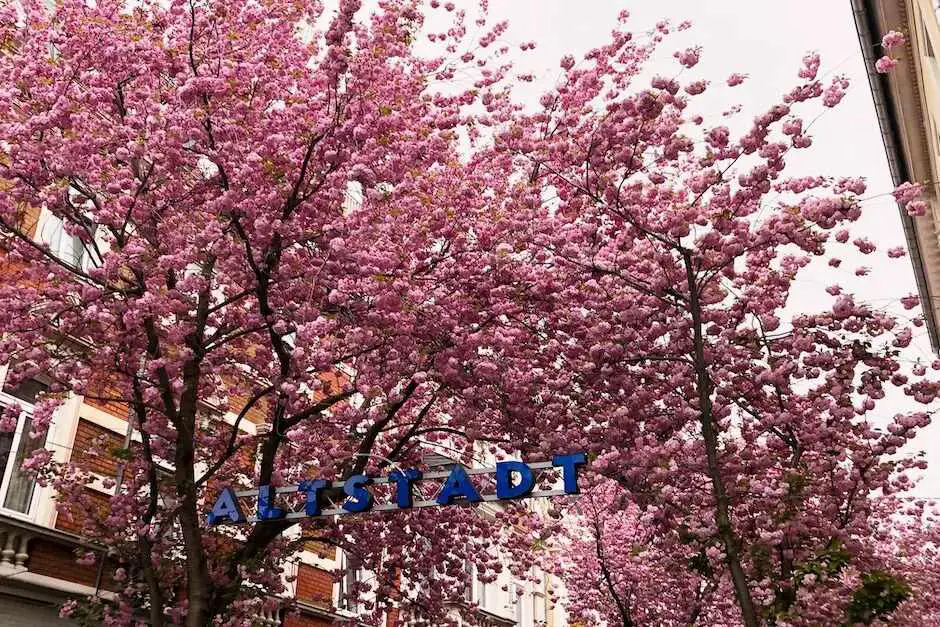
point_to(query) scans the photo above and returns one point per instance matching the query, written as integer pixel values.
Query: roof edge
(866, 25)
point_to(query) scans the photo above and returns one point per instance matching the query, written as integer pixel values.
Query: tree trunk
(710, 435)
(157, 601)
(197, 573)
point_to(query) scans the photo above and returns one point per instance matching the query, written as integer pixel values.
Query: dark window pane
(6, 443)
(27, 391)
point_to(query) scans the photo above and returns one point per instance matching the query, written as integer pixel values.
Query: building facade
(907, 103)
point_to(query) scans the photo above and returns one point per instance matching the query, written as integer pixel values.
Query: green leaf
(879, 595)
(121, 453)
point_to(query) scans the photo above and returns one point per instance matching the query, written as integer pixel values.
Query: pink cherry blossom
(696, 87)
(917, 208)
(885, 64)
(906, 192)
(810, 66)
(910, 301)
(864, 245)
(835, 92)
(688, 57)
(892, 39)
(854, 185)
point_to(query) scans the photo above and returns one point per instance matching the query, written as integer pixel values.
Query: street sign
(512, 479)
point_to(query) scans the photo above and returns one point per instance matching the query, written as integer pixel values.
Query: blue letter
(353, 487)
(266, 508)
(458, 484)
(569, 465)
(504, 487)
(312, 488)
(403, 481)
(226, 506)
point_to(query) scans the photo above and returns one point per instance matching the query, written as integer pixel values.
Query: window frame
(484, 599)
(517, 602)
(350, 607)
(26, 411)
(539, 603)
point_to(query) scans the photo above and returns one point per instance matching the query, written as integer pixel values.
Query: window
(484, 589)
(17, 488)
(355, 194)
(69, 248)
(538, 608)
(166, 497)
(468, 581)
(347, 588)
(353, 197)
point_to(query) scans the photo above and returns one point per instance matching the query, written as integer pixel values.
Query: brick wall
(321, 549)
(256, 414)
(93, 502)
(90, 436)
(59, 561)
(299, 620)
(314, 585)
(112, 407)
(28, 216)
(10, 271)
(333, 382)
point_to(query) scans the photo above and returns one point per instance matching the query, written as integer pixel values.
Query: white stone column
(22, 553)
(9, 548)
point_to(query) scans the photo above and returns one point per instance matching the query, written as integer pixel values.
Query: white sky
(767, 41)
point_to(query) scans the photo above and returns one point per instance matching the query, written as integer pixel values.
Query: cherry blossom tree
(749, 439)
(271, 216)
(628, 570)
(621, 566)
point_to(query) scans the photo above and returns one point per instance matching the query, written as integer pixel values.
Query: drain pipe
(119, 479)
